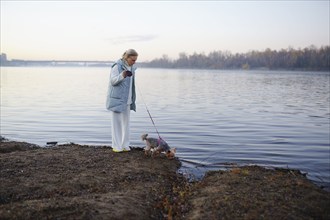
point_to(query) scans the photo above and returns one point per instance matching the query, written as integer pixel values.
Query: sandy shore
(88, 182)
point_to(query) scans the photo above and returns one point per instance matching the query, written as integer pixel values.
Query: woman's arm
(116, 77)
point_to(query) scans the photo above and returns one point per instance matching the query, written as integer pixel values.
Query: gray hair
(129, 53)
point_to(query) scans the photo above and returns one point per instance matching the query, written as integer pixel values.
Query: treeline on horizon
(309, 58)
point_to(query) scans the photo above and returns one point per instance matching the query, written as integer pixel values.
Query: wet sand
(88, 182)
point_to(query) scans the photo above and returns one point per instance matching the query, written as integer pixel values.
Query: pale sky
(103, 30)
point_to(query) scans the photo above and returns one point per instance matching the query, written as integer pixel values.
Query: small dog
(156, 146)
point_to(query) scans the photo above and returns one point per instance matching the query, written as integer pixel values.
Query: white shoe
(117, 151)
(126, 149)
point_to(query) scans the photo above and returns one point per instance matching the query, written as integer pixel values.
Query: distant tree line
(309, 58)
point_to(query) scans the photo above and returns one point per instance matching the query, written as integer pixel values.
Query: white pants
(120, 130)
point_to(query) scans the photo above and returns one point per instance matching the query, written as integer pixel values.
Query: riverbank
(88, 182)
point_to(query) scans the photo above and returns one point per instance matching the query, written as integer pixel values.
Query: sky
(103, 30)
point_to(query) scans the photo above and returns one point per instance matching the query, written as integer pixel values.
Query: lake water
(214, 118)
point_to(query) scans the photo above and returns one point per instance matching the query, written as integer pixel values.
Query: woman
(121, 99)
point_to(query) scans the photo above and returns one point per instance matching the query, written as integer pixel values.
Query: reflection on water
(214, 118)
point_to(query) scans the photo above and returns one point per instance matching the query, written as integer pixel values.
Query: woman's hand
(127, 73)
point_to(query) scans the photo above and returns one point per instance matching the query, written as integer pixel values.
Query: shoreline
(74, 181)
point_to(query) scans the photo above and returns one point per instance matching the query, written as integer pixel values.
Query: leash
(159, 140)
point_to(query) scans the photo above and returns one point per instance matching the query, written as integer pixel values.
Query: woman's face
(131, 60)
